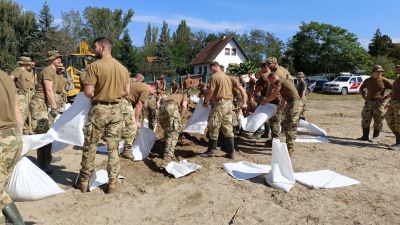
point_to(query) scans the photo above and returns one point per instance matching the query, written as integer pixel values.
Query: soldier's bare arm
(126, 90)
(244, 96)
(138, 111)
(48, 87)
(208, 97)
(184, 108)
(89, 91)
(272, 96)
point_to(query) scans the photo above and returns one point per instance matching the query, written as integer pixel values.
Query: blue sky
(282, 18)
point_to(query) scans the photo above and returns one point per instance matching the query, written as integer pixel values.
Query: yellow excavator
(75, 65)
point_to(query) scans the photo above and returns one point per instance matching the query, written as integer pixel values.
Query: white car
(345, 84)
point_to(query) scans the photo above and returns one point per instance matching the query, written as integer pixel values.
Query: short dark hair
(214, 64)
(271, 75)
(264, 65)
(105, 41)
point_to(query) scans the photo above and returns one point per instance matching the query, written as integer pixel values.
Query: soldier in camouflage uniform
(61, 97)
(45, 95)
(106, 83)
(11, 126)
(220, 94)
(302, 90)
(202, 87)
(150, 111)
(375, 87)
(24, 81)
(170, 121)
(393, 111)
(290, 104)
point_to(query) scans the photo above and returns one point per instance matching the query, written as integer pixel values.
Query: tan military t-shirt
(235, 85)
(287, 90)
(178, 98)
(48, 73)
(376, 87)
(139, 91)
(221, 85)
(283, 73)
(187, 83)
(61, 82)
(24, 80)
(396, 89)
(8, 94)
(109, 78)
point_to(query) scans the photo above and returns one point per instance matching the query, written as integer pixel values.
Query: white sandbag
(308, 139)
(198, 121)
(29, 183)
(103, 148)
(146, 124)
(324, 179)
(182, 168)
(99, 178)
(195, 99)
(65, 107)
(58, 146)
(281, 174)
(258, 118)
(312, 128)
(244, 170)
(144, 142)
(35, 141)
(69, 127)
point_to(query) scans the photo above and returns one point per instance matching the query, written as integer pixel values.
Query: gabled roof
(212, 49)
(151, 59)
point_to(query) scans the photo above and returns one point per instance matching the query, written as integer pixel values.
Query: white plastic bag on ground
(314, 129)
(244, 170)
(35, 141)
(324, 179)
(258, 118)
(99, 178)
(195, 99)
(29, 183)
(182, 168)
(281, 174)
(145, 139)
(307, 139)
(69, 127)
(198, 121)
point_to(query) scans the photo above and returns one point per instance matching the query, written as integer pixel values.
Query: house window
(205, 69)
(200, 68)
(233, 51)
(227, 51)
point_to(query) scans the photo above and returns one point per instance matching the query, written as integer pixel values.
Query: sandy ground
(211, 196)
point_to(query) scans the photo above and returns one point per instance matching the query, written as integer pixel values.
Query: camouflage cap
(272, 60)
(300, 74)
(378, 68)
(52, 55)
(24, 60)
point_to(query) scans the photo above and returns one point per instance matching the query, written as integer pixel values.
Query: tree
(395, 53)
(127, 53)
(182, 48)
(246, 67)
(72, 26)
(326, 48)
(165, 32)
(164, 57)
(387, 65)
(381, 45)
(16, 33)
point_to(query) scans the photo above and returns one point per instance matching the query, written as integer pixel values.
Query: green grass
(333, 97)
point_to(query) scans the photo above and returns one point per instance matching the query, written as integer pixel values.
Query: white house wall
(225, 60)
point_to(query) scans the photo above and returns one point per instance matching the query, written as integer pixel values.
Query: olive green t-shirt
(8, 94)
(109, 78)
(221, 85)
(396, 89)
(139, 91)
(48, 73)
(178, 98)
(24, 80)
(287, 90)
(283, 73)
(376, 87)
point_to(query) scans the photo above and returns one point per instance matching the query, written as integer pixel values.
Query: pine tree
(182, 48)
(164, 36)
(164, 57)
(127, 53)
(381, 45)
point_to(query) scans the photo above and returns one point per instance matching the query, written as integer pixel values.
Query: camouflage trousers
(60, 100)
(303, 108)
(150, 112)
(104, 122)
(129, 127)
(220, 117)
(10, 151)
(237, 111)
(291, 121)
(24, 107)
(393, 116)
(372, 110)
(275, 124)
(170, 121)
(40, 116)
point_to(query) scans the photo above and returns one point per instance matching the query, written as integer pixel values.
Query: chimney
(223, 36)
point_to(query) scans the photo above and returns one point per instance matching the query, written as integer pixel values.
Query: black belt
(104, 103)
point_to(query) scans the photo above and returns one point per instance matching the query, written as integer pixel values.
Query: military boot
(230, 147)
(375, 136)
(127, 154)
(212, 146)
(365, 136)
(12, 215)
(166, 160)
(112, 186)
(396, 147)
(82, 183)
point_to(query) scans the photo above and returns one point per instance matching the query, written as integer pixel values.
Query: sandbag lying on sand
(244, 170)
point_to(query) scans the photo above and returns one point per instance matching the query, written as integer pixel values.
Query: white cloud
(57, 22)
